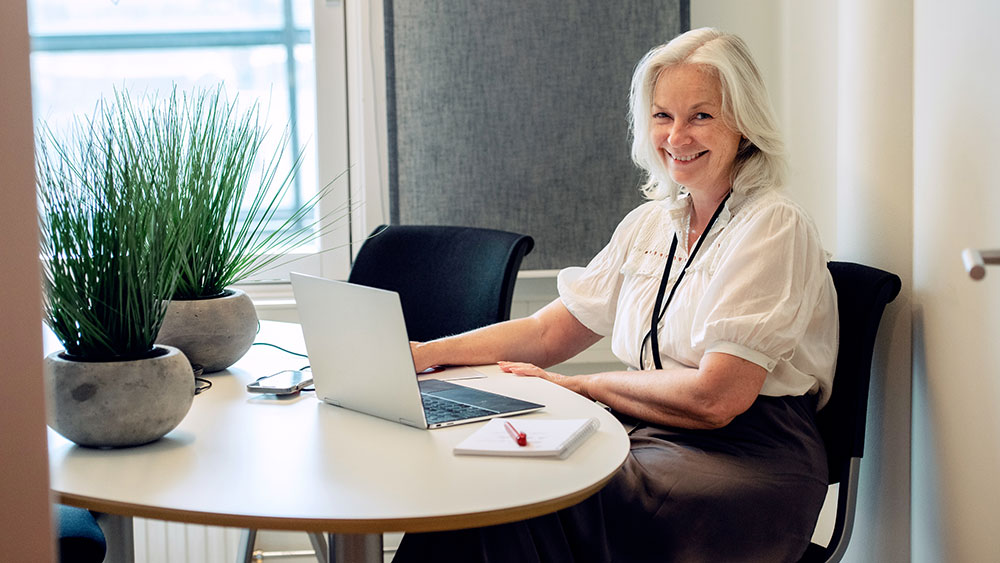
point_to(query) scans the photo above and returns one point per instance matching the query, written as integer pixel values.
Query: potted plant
(110, 261)
(230, 196)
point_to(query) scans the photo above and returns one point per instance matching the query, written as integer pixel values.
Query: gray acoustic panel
(513, 115)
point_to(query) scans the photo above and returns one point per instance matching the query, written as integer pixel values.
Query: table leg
(244, 552)
(320, 546)
(351, 548)
(120, 538)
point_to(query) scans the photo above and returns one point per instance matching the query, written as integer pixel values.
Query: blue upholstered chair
(80, 538)
(862, 294)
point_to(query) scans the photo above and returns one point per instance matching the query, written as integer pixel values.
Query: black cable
(197, 370)
(206, 385)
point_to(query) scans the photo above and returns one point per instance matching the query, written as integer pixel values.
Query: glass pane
(144, 16)
(302, 10)
(305, 93)
(67, 85)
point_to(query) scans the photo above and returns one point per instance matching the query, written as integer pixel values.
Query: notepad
(547, 437)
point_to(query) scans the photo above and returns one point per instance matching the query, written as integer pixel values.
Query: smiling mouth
(687, 158)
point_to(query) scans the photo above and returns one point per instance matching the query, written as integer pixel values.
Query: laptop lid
(360, 358)
(358, 349)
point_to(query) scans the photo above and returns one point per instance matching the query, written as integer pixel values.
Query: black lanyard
(657, 311)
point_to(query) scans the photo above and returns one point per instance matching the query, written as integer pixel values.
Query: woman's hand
(575, 383)
(421, 358)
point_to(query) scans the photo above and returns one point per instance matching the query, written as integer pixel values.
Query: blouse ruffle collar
(679, 211)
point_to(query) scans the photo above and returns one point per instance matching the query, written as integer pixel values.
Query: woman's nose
(678, 134)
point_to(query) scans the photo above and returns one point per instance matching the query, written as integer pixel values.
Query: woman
(717, 296)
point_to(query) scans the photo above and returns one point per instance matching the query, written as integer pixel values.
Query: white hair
(746, 108)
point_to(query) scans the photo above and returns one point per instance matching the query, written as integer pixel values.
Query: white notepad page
(547, 437)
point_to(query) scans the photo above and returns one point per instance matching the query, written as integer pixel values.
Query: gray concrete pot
(118, 404)
(213, 333)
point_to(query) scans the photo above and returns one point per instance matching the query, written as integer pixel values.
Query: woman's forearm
(481, 346)
(706, 397)
(709, 396)
(550, 336)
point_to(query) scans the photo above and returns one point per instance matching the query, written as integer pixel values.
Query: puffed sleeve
(591, 293)
(764, 288)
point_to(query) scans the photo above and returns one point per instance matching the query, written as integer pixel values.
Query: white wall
(25, 528)
(956, 422)
(809, 111)
(875, 226)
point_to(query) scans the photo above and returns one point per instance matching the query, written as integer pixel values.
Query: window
(261, 50)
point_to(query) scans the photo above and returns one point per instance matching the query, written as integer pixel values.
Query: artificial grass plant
(231, 195)
(110, 257)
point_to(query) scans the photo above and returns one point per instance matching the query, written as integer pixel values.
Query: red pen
(519, 437)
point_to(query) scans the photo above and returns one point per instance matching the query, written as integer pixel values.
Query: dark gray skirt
(750, 491)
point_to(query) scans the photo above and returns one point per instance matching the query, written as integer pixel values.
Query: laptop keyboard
(437, 409)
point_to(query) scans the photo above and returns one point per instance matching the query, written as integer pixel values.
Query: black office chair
(449, 279)
(80, 538)
(862, 294)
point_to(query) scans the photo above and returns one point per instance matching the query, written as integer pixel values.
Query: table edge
(337, 525)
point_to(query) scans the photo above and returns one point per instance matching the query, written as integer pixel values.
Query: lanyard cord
(657, 311)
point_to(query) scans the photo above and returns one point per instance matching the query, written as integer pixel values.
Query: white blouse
(758, 289)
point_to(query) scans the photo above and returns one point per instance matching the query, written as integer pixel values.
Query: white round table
(264, 462)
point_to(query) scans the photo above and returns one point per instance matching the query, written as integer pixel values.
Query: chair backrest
(449, 279)
(862, 294)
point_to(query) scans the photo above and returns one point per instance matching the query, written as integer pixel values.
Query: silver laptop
(360, 358)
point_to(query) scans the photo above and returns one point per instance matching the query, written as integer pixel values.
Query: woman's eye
(660, 115)
(702, 115)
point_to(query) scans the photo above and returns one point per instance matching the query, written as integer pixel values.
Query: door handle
(976, 260)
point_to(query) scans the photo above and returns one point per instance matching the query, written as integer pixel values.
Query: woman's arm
(550, 336)
(721, 388)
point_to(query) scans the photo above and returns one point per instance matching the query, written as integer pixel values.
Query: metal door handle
(976, 260)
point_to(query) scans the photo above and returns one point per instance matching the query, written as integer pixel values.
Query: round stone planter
(213, 333)
(118, 404)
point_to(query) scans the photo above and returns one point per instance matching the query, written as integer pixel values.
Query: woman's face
(687, 128)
